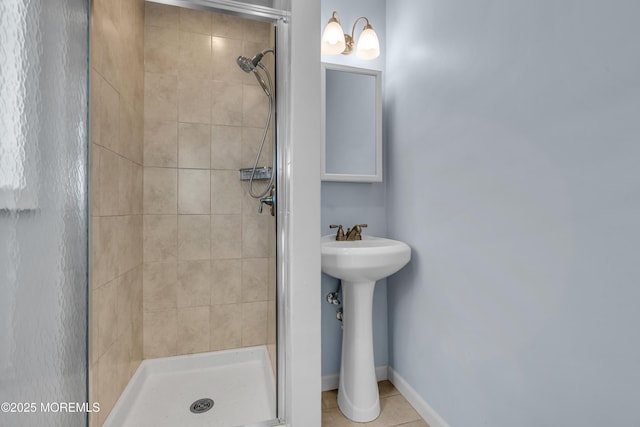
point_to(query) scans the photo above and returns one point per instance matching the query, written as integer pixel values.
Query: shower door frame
(280, 18)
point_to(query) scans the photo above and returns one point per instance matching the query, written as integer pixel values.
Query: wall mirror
(352, 124)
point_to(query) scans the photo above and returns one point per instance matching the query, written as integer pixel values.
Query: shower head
(245, 63)
(249, 66)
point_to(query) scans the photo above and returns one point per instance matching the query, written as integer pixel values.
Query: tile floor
(395, 411)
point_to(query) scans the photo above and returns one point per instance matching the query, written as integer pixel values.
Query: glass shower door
(43, 213)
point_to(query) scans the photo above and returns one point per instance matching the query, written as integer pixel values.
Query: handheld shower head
(249, 65)
(245, 64)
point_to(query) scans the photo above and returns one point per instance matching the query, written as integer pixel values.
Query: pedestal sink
(359, 264)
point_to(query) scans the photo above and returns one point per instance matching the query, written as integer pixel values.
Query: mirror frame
(346, 177)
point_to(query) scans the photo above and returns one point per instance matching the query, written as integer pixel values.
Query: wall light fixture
(335, 41)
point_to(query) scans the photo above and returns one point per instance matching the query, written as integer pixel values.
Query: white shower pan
(240, 382)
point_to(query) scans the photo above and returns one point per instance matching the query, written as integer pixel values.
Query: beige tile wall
(116, 268)
(209, 268)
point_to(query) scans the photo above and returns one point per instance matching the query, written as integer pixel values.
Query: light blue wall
(514, 174)
(353, 203)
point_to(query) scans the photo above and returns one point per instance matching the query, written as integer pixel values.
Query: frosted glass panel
(43, 215)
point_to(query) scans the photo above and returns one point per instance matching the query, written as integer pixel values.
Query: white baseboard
(423, 408)
(331, 382)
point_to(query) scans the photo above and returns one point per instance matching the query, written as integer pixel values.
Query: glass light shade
(368, 45)
(332, 38)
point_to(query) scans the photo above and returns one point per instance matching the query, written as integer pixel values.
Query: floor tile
(395, 410)
(329, 399)
(386, 389)
(419, 423)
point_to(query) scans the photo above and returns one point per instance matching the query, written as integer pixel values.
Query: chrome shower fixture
(254, 65)
(249, 66)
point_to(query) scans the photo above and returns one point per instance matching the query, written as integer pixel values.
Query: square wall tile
(195, 55)
(226, 148)
(160, 191)
(196, 21)
(255, 272)
(138, 190)
(194, 239)
(109, 111)
(194, 100)
(256, 31)
(160, 143)
(160, 242)
(159, 284)
(224, 54)
(125, 294)
(105, 302)
(251, 140)
(226, 281)
(160, 333)
(126, 185)
(226, 326)
(228, 26)
(227, 103)
(193, 330)
(194, 287)
(107, 191)
(160, 96)
(255, 235)
(194, 146)
(255, 106)
(131, 131)
(137, 306)
(106, 40)
(226, 192)
(161, 15)
(129, 238)
(226, 236)
(161, 48)
(104, 250)
(194, 191)
(254, 323)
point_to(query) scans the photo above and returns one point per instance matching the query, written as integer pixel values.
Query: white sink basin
(359, 264)
(369, 259)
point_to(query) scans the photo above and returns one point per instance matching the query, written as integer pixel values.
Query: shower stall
(183, 276)
(138, 260)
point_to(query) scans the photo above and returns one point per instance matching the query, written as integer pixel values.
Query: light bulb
(332, 38)
(368, 45)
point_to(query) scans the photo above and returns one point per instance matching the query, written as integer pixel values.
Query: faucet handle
(357, 229)
(340, 233)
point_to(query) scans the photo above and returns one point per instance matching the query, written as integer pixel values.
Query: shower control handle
(266, 201)
(270, 201)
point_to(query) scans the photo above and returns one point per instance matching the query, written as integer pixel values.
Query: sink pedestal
(358, 390)
(359, 264)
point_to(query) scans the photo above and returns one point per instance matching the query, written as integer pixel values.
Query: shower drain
(201, 405)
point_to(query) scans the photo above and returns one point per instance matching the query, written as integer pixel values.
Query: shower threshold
(162, 392)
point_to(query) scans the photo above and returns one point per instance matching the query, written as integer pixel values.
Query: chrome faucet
(354, 233)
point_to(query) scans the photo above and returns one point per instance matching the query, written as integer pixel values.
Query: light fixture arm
(350, 39)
